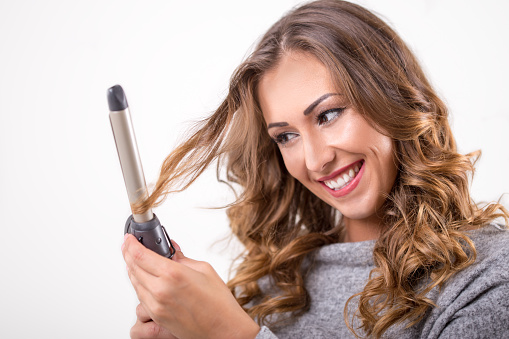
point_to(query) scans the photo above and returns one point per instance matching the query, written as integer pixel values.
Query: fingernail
(125, 236)
(127, 268)
(122, 247)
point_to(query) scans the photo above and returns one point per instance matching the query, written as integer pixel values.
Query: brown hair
(280, 222)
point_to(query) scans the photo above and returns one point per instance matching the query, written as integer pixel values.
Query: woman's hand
(145, 327)
(184, 297)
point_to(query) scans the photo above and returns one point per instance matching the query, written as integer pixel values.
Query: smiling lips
(345, 180)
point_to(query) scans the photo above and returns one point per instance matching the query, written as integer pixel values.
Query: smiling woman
(353, 203)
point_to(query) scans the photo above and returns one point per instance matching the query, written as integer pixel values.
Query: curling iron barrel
(145, 227)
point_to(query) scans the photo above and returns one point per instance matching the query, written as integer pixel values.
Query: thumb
(180, 258)
(178, 252)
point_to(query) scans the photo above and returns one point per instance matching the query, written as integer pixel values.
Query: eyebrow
(316, 102)
(277, 124)
(306, 111)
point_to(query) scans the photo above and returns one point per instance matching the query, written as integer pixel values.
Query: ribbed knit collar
(348, 253)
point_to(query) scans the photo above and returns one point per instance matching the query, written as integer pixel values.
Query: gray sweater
(473, 304)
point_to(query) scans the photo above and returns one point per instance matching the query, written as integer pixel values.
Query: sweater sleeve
(265, 333)
(487, 316)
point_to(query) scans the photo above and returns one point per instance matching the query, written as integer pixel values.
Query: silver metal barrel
(128, 154)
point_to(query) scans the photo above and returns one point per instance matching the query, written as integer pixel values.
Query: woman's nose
(317, 154)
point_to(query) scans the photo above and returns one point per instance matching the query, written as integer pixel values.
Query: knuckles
(172, 275)
(206, 268)
(141, 313)
(160, 295)
(145, 330)
(159, 312)
(153, 330)
(137, 255)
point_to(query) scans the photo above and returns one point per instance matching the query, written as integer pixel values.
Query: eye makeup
(326, 113)
(326, 117)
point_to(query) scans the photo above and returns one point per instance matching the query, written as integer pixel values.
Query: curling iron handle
(152, 235)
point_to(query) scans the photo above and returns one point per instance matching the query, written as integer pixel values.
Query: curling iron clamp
(145, 227)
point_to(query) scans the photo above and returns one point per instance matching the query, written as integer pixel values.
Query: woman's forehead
(295, 83)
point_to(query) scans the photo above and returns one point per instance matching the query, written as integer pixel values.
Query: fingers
(182, 295)
(142, 314)
(154, 278)
(145, 267)
(177, 247)
(149, 329)
(146, 328)
(199, 266)
(148, 269)
(137, 255)
(145, 297)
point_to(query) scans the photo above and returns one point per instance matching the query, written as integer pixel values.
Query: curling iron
(146, 227)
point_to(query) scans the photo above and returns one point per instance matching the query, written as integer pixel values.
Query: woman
(353, 203)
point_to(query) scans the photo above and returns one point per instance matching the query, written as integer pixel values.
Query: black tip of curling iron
(116, 98)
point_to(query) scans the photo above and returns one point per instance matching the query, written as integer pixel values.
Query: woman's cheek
(291, 160)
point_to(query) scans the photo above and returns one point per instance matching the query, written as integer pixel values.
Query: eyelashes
(321, 119)
(329, 115)
(282, 138)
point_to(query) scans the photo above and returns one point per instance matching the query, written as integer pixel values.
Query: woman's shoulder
(476, 299)
(491, 265)
(491, 244)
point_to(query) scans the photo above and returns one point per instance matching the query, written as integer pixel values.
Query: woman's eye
(329, 115)
(282, 138)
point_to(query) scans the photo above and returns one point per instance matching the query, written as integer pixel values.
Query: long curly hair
(280, 222)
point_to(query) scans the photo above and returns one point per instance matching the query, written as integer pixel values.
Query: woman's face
(325, 143)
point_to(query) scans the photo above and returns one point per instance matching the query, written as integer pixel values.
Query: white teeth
(343, 179)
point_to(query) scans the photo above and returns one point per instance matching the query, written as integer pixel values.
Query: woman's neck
(362, 230)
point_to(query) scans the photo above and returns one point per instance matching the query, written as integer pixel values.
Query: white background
(62, 197)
